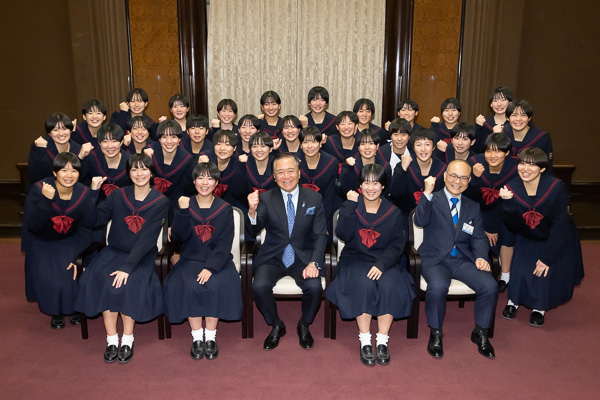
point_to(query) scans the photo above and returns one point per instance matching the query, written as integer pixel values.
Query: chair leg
(161, 326)
(333, 318)
(250, 316)
(461, 304)
(412, 323)
(84, 327)
(327, 319)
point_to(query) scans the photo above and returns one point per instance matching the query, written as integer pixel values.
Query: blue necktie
(288, 252)
(454, 213)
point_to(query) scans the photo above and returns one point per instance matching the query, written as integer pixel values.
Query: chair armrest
(96, 246)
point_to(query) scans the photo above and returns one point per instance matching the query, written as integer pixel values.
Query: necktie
(454, 213)
(288, 252)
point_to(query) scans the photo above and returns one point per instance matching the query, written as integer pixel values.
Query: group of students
(189, 172)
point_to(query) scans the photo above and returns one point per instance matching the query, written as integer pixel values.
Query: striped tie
(288, 252)
(454, 213)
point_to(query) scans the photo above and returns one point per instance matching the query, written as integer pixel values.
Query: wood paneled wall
(155, 52)
(435, 51)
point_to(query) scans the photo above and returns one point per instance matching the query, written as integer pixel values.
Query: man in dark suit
(455, 247)
(296, 237)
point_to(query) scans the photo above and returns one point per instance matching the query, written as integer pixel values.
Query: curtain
(290, 46)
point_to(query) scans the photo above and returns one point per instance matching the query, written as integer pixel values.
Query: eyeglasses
(454, 177)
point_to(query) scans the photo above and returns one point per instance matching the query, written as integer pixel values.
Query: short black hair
(498, 141)
(400, 125)
(227, 134)
(110, 131)
(310, 131)
(179, 98)
(138, 159)
(319, 91)
(346, 114)
(252, 118)
(62, 159)
(501, 92)
(423, 134)
(535, 156)
(270, 94)
(227, 102)
(450, 102)
(169, 127)
(408, 102)
(367, 102)
(137, 121)
(463, 128)
(261, 136)
(280, 156)
(58, 118)
(197, 121)
(371, 133)
(206, 169)
(294, 121)
(523, 104)
(373, 171)
(93, 105)
(131, 94)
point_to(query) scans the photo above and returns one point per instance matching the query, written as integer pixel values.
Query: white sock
(127, 340)
(112, 340)
(505, 276)
(381, 339)
(210, 335)
(365, 338)
(510, 303)
(540, 311)
(198, 334)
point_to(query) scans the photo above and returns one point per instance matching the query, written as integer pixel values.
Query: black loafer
(382, 355)
(57, 322)
(125, 354)
(510, 312)
(366, 355)
(435, 347)
(484, 346)
(502, 285)
(75, 318)
(110, 353)
(272, 341)
(211, 350)
(536, 319)
(197, 350)
(305, 338)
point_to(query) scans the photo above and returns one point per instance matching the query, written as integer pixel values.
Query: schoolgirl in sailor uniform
(204, 282)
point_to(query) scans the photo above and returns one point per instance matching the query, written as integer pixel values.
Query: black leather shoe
(435, 347)
(272, 341)
(305, 338)
(197, 350)
(536, 319)
(484, 346)
(57, 322)
(510, 312)
(125, 354)
(502, 285)
(211, 350)
(383, 354)
(75, 318)
(366, 355)
(110, 353)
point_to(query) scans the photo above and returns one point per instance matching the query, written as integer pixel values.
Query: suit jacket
(309, 236)
(440, 236)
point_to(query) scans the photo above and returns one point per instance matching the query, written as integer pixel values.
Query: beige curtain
(290, 46)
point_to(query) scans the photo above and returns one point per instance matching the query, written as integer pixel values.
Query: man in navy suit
(296, 237)
(455, 247)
